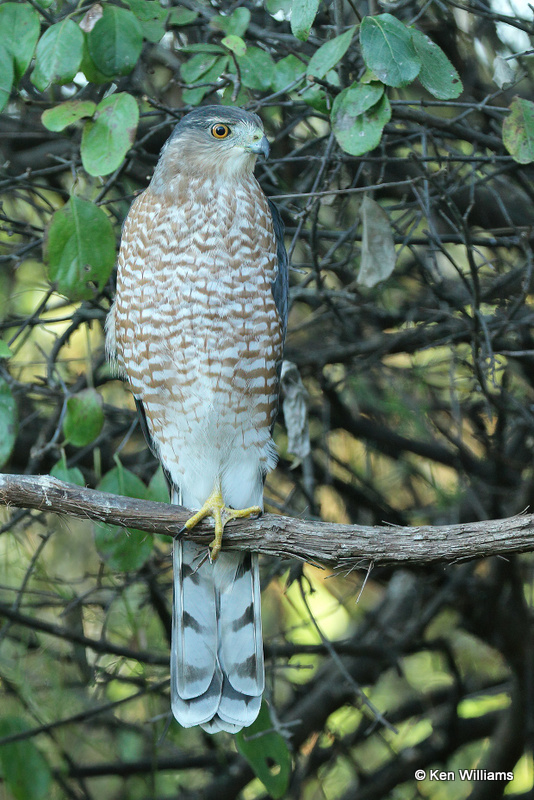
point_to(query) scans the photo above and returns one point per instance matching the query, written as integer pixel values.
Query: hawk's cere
(197, 329)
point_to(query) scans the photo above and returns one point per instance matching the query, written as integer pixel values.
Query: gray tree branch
(331, 544)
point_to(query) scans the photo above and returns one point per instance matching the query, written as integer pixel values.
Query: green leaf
(5, 350)
(329, 54)
(388, 50)
(194, 96)
(80, 248)
(286, 71)
(58, 55)
(196, 66)
(358, 117)
(123, 550)
(25, 771)
(256, 68)
(84, 418)
(109, 135)
(235, 44)
(8, 423)
(437, 74)
(158, 490)
(267, 753)
(234, 24)
(115, 42)
(19, 32)
(7, 76)
(181, 16)
(303, 13)
(60, 117)
(68, 474)
(518, 130)
(146, 10)
(202, 48)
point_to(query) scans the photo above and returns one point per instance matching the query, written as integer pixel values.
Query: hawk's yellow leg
(216, 508)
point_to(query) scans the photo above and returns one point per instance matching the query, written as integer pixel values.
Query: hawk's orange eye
(220, 131)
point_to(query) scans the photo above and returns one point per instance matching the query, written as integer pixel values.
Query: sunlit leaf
(115, 42)
(5, 350)
(518, 130)
(80, 248)
(61, 116)
(25, 771)
(329, 54)
(235, 44)
(58, 55)
(378, 256)
(303, 13)
(267, 753)
(109, 135)
(19, 31)
(437, 74)
(388, 50)
(121, 549)
(84, 418)
(8, 422)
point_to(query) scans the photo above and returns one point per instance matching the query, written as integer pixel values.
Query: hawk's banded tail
(217, 674)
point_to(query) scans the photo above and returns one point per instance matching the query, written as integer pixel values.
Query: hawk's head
(214, 141)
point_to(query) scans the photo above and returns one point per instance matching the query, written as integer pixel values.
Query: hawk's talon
(215, 507)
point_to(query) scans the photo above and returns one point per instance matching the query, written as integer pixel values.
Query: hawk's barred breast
(197, 326)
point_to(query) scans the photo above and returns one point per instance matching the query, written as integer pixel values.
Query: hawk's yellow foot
(216, 508)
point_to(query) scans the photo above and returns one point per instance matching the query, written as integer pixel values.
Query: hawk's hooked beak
(261, 146)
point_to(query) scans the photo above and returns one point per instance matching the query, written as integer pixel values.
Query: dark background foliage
(420, 400)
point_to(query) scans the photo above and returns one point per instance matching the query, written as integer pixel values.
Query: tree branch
(332, 544)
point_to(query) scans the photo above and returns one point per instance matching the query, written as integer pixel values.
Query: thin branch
(332, 544)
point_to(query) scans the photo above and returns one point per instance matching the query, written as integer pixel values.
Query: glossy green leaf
(303, 13)
(358, 117)
(61, 116)
(235, 44)
(146, 10)
(194, 96)
(19, 31)
(8, 422)
(181, 16)
(329, 54)
(80, 248)
(388, 50)
(67, 474)
(25, 771)
(109, 135)
(121, 549)
(83, 418)
(286, 71)
(256, 68)
(234, 24)
(518, 130)
(203, 48)
(267, 753)
(7, 76)
(58, 55)
(437, 74)
(115, 42)
(196, 66)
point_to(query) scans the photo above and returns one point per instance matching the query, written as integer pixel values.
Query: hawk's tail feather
(217, 674)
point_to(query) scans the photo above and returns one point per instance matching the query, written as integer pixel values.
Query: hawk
(197, 329)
